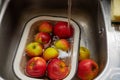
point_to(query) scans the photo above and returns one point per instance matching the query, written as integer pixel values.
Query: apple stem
(34, 47)
(93, 68)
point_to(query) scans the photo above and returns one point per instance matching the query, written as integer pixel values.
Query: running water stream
(69, 11)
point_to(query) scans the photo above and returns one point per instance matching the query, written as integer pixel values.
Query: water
(68, 57)
(69, 11)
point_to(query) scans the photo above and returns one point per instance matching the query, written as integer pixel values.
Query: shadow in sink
(84, 12)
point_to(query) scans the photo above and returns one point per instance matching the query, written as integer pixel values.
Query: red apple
(45, 27)
(34, 49)
(36, 67)
(87, 69)
(62, 30)
(43, 38)
(57, 69)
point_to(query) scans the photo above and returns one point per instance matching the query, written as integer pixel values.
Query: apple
(36, 67)
(62, 30)
(57, 69)
(84, 53)
(62, 44)
(34, 49)
(50, 53)
(45, 27)
(43, 37)
(87, 69)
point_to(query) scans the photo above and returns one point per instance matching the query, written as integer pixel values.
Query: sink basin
(86, 13)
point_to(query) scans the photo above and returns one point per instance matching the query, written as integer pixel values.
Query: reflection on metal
(3, 9)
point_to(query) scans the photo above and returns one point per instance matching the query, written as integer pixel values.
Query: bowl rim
(19, 52)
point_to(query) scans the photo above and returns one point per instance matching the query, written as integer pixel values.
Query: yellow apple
(62, 44)
(84, 53)
(34, 49)
(50, 53)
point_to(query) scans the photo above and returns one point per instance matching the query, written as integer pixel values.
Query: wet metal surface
(97, 33)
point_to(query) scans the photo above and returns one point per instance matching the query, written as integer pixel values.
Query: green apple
(84, 53)
(34, 49)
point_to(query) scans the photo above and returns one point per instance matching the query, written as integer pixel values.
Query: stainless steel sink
(88, 14)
